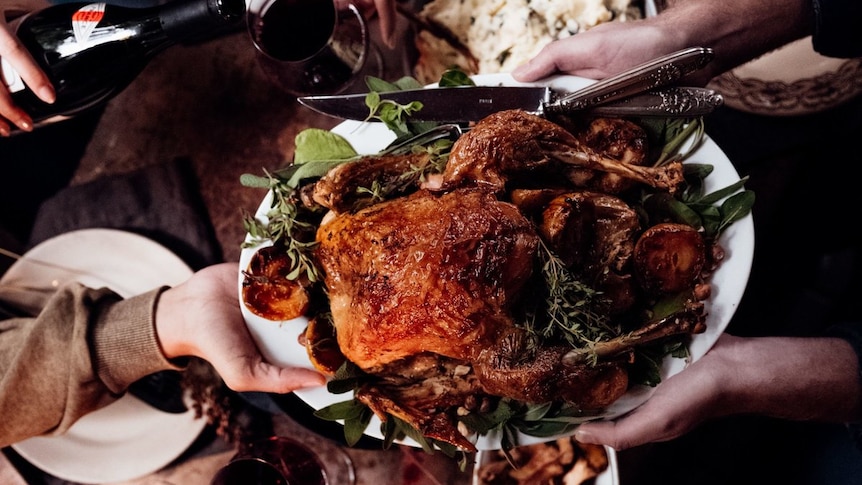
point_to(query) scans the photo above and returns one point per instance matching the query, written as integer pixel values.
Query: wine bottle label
(10, 77)
(85, 20)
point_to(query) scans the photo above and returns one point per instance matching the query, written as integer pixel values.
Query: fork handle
(659, 72)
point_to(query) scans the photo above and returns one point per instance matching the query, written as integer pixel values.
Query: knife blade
(472, 103)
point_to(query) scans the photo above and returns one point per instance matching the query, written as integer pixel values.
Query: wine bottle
(92, 51)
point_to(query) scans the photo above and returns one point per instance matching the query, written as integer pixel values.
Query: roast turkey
(429, 291)
(425, 289)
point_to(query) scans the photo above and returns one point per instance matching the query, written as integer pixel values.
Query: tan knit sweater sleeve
(78, 355)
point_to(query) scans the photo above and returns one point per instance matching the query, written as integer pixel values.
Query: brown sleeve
(78, 355)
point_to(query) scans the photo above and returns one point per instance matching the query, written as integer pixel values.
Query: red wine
(302, 466)
(294, 30)
(309, 47)
(91, 52)
(249, 471)
(273, 461)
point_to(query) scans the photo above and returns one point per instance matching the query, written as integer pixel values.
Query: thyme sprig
(288, 223)
(569, 306)
(438, 155)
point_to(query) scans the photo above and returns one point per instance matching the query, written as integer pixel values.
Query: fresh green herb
(392, 114)
(314, 144)
(403, 84)
(508, 418)
(285, 223)
(395, 116)
(501, 59)
(316, 152)
(649, 360)
(289, 222)
(672, 135)
(568, 310)
(455, 77)
(678, 139)
(697, 208)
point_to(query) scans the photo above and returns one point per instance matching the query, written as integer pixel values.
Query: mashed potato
(502, 34)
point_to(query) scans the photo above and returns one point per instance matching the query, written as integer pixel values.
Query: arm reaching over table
(803, 379)
(88, 345)
(737, 30)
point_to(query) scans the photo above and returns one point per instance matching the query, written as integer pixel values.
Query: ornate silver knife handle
(680, 101)
(660, 72)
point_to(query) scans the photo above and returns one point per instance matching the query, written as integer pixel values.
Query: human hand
(736, 30)
(20, 59)
(202, 318)
(599, 52)
(782, 377)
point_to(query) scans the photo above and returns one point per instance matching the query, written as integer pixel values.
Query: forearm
(125, 342)
(792, 378)
(738, 30)
(82, 351)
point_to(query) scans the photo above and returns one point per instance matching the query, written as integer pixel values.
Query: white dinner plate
(278, 341)
(128, 438)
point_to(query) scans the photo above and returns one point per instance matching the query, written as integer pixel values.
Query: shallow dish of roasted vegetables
(495, 284)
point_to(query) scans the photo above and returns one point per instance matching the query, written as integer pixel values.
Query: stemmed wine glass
(310, 47)
(278, 460)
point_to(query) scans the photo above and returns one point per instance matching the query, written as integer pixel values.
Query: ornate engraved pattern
(798, 97)
(650, 75)
(682, 101)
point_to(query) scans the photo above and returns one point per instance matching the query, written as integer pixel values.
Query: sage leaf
(736, 207)
(317, 144)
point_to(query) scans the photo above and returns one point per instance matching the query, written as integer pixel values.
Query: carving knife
(640, 91)
(472, 103)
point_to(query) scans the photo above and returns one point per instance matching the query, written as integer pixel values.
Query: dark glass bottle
(92, 51)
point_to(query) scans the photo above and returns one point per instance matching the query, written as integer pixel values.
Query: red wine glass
(310, 47)
(279, 460)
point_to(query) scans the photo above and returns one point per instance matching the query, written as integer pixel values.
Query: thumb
(535, 69)
(633, 430)
(265, 377)
(598, 433)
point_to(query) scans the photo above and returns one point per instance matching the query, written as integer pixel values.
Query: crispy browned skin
(590, 231)
(416, 389)
(426, 272)
(594, 235)
(509, 143)
(514, 368)
(614, 138)
(431, 277)
(339, 190)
